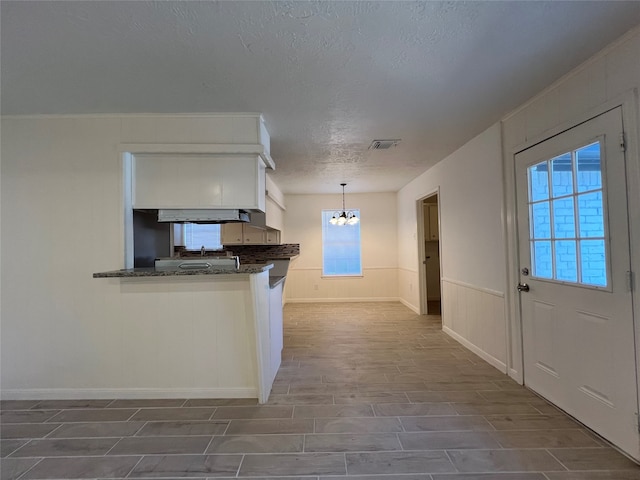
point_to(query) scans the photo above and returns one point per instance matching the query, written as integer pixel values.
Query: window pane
(541, 220)
(563, 218)
(593, 262)
(589, 168)
(541, 255)
(340, 247)
(590, 210)
(538, 182)
(197, 236)
(562, 175)
(566, 261)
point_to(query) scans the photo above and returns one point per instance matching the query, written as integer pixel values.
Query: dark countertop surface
(171, 272)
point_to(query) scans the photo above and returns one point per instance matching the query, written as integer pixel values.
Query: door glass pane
(593, 263)
(590, 211)
(566, 206)
(563, 218)
(538, 181)
(541, 215)
(562, 175)
(589, 175)
(541, 255)
(566, 261)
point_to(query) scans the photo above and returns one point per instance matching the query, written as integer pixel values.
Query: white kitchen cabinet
(253, 235)
(272, 236)
(431, 222)
(185, 180)
(242, 234)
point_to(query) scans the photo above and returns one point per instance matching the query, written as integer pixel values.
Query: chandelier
(344, 217)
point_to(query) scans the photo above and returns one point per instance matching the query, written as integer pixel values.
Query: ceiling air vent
(384, 144)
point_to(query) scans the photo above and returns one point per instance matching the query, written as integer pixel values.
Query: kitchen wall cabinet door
(242, 234)
(253, 235)
(198, 181)
(272, 236)
(231, 234)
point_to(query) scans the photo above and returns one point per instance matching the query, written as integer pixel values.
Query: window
(195, 236)
(566, 213)
(340, 247)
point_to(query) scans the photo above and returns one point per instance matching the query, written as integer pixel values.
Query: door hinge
(623, 142)
(630, 282)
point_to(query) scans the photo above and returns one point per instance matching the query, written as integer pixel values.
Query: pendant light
(344, 217)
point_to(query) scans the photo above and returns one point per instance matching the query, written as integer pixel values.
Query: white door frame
(630, 115)
(422, 272)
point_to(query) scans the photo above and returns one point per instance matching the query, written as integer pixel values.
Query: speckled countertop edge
(166, 272)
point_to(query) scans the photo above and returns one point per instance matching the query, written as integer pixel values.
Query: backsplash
(264, 253)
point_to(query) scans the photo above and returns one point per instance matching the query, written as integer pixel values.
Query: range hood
(175, 215)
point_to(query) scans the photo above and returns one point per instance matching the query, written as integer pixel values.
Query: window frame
(577, 238)
(325, 216)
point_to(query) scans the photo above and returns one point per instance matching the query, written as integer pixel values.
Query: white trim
(495, 293)
(345, 300)
(275, 200)
(135, 115)
(410, 270)
(421, 230)
(478, 351)
(126, 393)
(516, 375)
(363, 270)
(410, 306)
(200, 148)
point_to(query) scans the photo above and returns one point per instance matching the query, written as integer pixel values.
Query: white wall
(472, 244)
(378, 232)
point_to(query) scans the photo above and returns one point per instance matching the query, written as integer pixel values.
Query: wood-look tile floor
(365, 390)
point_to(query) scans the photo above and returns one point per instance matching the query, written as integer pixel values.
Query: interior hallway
(366, 390)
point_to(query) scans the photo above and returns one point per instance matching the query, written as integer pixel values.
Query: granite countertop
(166, 272)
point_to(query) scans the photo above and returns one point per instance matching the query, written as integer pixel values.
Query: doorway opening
(429, 250)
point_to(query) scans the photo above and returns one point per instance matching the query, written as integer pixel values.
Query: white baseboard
(124, 393)
(410, 305)
(475, 349)
(343, 300)
(516, 375)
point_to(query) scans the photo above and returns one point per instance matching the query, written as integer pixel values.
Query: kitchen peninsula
(213, 331)
(219, 326)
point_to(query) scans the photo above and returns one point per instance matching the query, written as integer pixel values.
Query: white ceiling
(329, 76)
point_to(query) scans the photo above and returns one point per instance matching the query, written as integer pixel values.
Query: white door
(577, 316)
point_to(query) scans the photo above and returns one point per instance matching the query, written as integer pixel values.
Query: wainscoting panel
(475, 317)
(308, 285)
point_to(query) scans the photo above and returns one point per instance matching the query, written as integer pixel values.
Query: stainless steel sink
(198, 263)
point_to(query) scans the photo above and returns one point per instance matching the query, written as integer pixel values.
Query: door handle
(523, 287)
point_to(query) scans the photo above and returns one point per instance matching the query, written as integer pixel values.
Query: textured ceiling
(328, 76)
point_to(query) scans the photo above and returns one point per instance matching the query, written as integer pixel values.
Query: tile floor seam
(237, 475)
(134, 467)
(186, 400)
(114, 446)
(112, 401)
(208, 444)
(29, 469)
(212, 414)
(130, 419)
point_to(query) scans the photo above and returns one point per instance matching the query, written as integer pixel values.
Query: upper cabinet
(208, 161)
(198, 181)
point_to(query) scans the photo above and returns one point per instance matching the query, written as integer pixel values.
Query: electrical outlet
(315, 286)
(411, 287)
